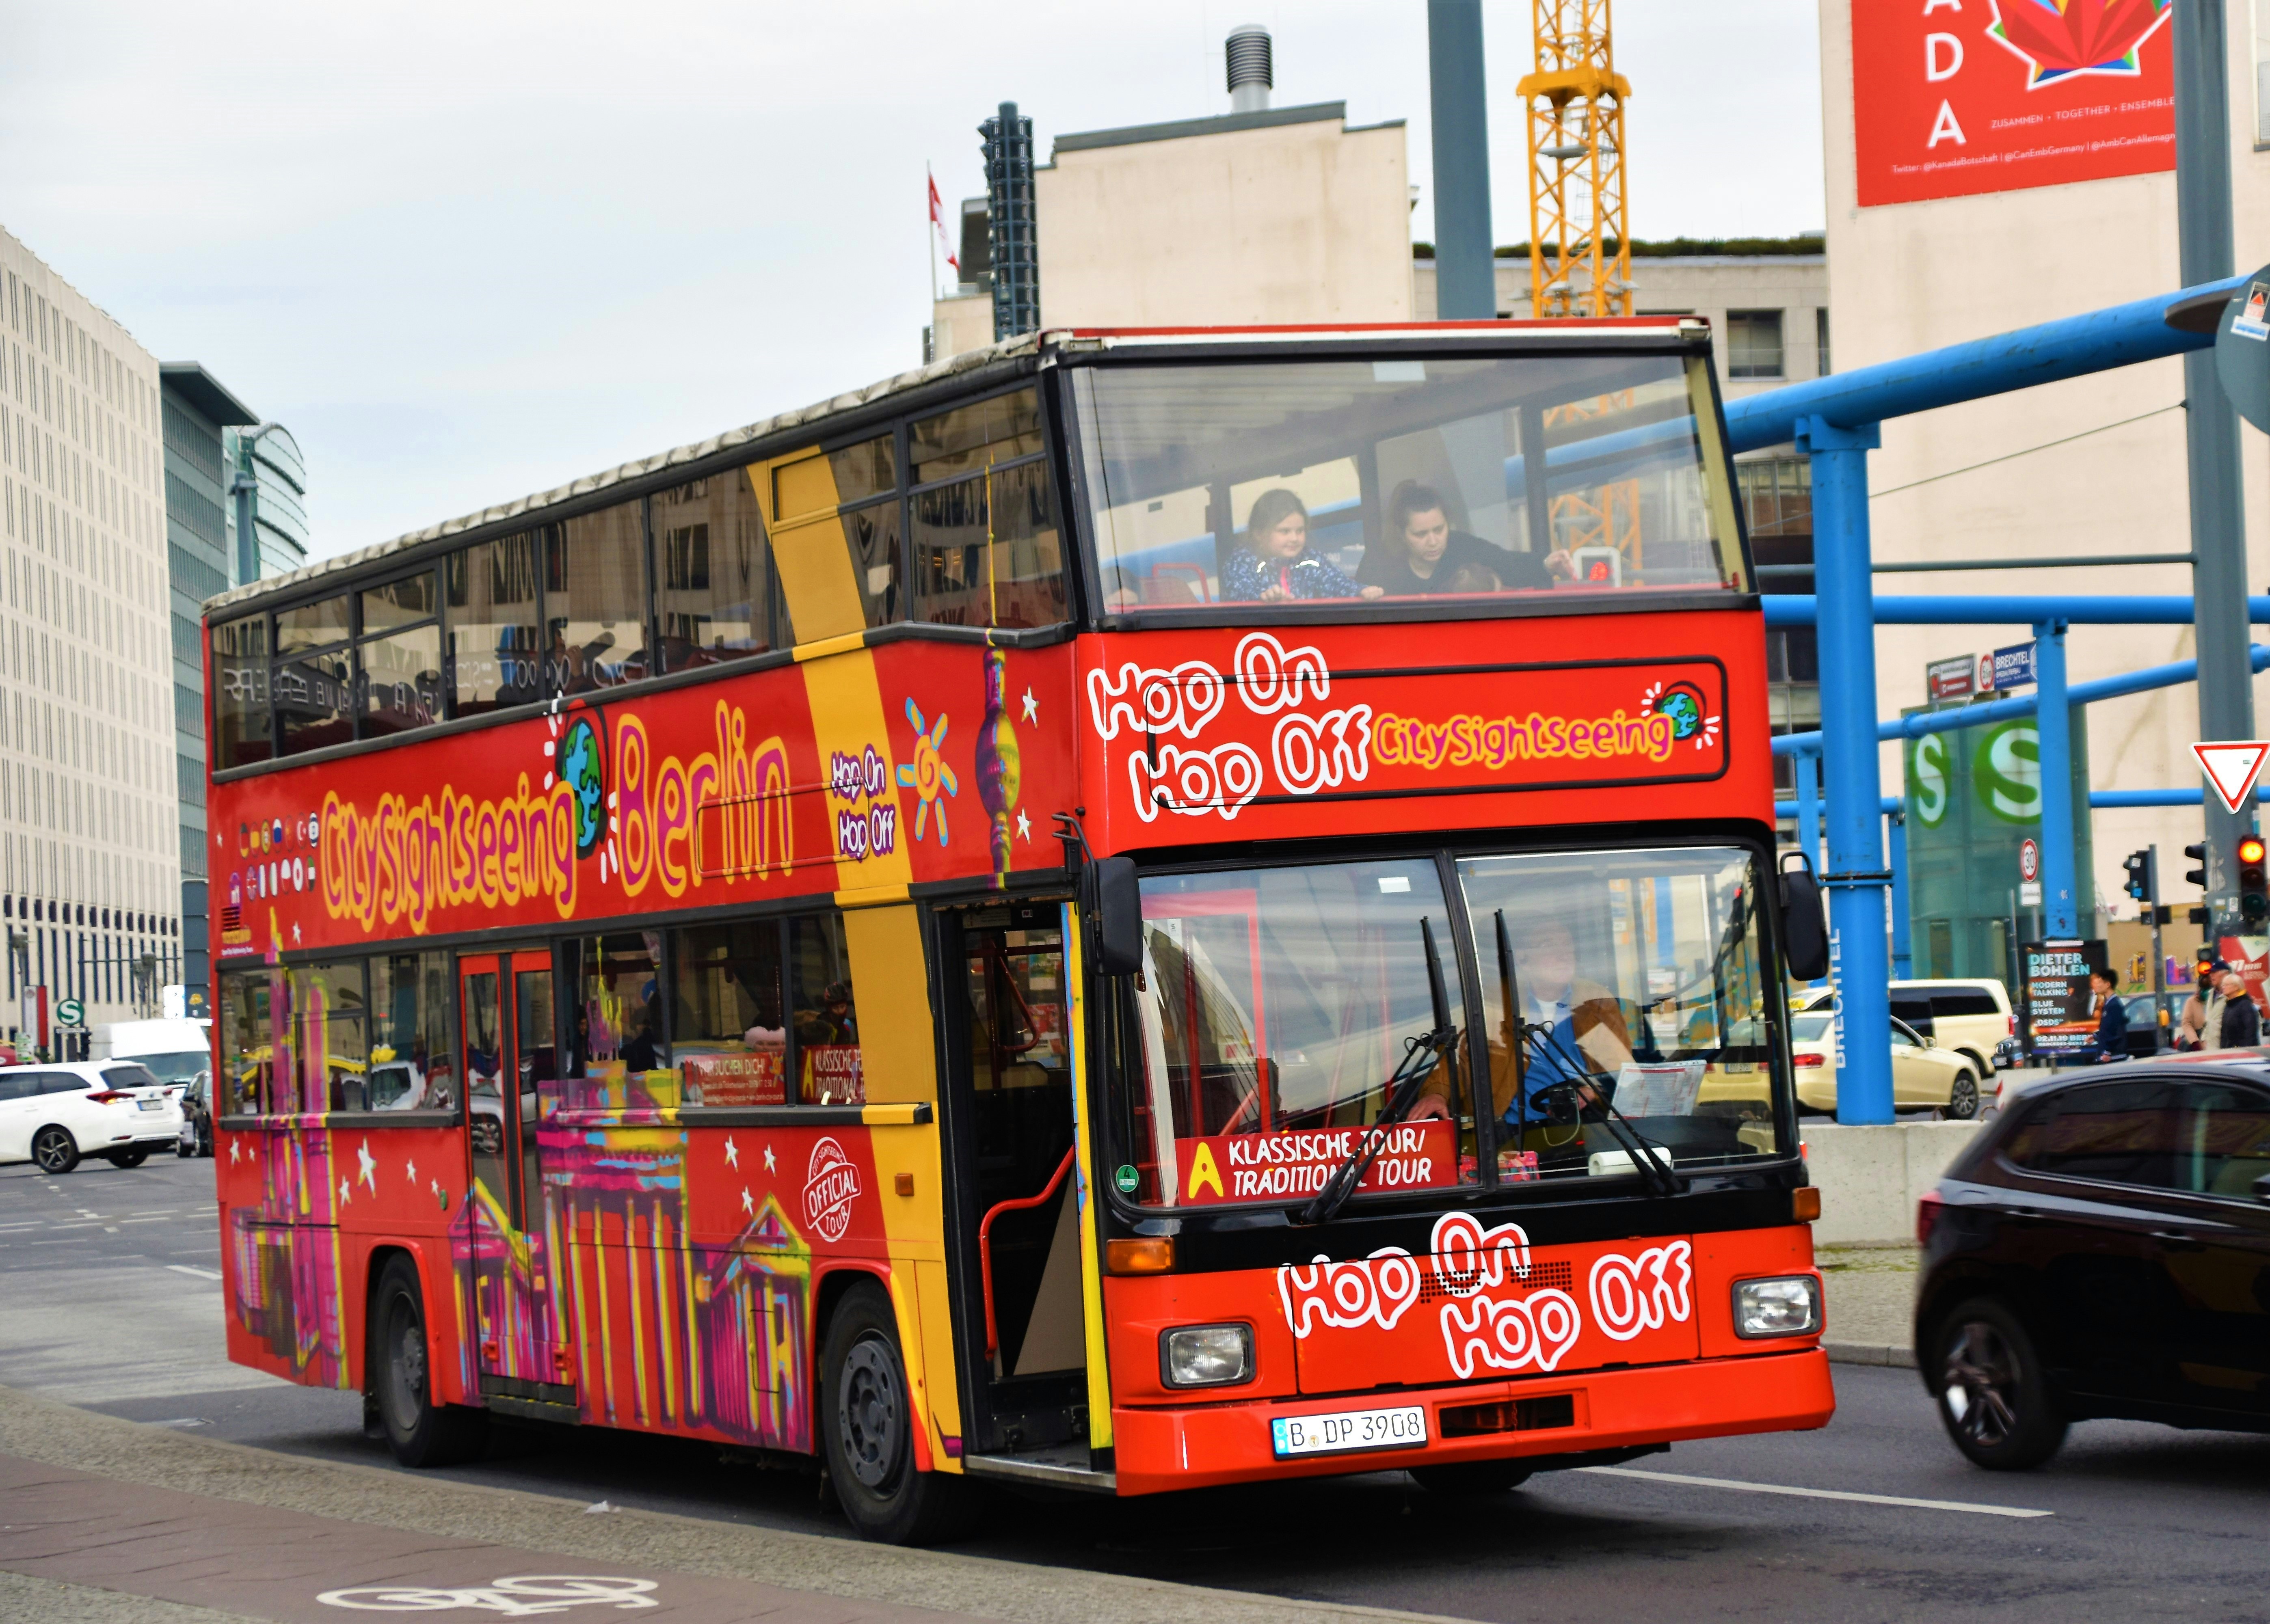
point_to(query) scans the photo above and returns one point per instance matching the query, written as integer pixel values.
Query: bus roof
(968, 361)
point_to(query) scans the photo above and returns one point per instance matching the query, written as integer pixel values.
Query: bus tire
(1471, 1478)
(866, 1431)
(420, 1432)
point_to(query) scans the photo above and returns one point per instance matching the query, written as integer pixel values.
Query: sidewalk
(110, 1522)
(1871, 1292)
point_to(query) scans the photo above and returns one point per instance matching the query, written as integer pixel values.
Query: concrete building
(2090, 467)
(89, 867)
(1288, 214)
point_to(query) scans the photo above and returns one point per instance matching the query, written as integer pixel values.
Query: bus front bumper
(1192, 1447)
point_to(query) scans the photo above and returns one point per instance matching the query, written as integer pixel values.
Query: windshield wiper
(1420, 1056)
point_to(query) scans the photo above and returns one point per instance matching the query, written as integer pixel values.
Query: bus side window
(987, 543)
(829, 1070)
(413, 1046)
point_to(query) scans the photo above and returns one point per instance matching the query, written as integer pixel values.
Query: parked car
(56, 1114)
(1973, 1018)
(1922, 1075)
(196, 1137)
(2102, 1249)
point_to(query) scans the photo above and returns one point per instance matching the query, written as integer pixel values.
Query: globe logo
(580, 764)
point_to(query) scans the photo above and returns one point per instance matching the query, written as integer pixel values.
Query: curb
(1870, 1354)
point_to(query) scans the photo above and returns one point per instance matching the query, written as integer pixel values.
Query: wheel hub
(867, 1409)
(1980, 1385)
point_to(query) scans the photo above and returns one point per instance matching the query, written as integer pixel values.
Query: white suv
(55, 1115)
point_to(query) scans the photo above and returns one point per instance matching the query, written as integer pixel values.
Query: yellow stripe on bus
(1083, 1137)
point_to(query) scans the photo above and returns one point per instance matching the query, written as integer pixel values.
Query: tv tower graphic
(1000, 767)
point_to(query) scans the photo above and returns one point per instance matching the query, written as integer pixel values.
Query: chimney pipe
(1252, 68)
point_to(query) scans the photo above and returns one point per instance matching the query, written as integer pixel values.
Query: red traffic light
(2251, 849)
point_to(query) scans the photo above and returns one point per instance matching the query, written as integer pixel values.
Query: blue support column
(1808, 806)
(1854, 872)
(1903, 955)
(2052, 720)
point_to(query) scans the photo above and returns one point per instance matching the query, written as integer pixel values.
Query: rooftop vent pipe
(1252, 69)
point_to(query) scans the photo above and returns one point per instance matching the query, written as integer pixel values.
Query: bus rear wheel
(1470, 1478)
(420, 1432)
(866, 1431)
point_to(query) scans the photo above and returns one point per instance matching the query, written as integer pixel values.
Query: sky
(467, 251)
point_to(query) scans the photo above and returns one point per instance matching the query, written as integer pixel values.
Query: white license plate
(149, 1105)
(1401, 1427)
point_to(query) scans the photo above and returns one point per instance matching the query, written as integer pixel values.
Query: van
(1971, 1018)
(176, 1051)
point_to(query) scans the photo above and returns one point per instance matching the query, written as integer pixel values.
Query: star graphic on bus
(928, 774)
(770, 1165)
(732, 1152)
(1024, 824)
(2063, 39)
(748, 1201)
(1032, 706)
(370, 1173)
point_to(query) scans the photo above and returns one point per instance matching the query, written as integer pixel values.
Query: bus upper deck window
(988, 545)
(594, 601)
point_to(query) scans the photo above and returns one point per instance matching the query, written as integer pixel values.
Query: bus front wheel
(420, 1432)
(866, 1431)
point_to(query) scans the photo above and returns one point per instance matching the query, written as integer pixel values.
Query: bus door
(510, 1037)
(1010, 1094)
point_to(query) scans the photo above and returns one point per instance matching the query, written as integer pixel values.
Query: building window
(1754, 343)
(1820, 333)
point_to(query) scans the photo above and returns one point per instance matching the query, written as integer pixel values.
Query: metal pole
(2052, 723)
(1465, 272)
(2203, 234)
(1808, 806)
(2159, 954)
(1854, 872)
(1903, 946)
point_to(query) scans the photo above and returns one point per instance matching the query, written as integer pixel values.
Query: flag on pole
(937, 223)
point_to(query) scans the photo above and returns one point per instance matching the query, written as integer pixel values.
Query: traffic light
(2198, 876)
(2139, 865)
(2253, 883)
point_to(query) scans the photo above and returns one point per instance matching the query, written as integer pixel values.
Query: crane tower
(1579, 242)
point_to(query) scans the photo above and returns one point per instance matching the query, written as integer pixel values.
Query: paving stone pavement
(117, 1523)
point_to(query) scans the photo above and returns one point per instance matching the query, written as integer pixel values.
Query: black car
(2103, 1248)
(196, 1117)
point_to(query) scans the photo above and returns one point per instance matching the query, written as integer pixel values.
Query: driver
(1573, 1026)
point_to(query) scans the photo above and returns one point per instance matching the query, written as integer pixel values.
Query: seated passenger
(1425, 556)
(1275, 564)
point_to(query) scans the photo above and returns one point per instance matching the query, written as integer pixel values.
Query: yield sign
(2232, 766)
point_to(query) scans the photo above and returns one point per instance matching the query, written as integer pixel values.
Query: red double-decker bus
(1127, 911)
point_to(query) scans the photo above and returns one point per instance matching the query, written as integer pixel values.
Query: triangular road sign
(2232, 766)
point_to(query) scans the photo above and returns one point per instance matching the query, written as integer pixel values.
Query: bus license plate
(1402, 1427)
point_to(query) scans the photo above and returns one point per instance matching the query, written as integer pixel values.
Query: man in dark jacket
(2242, 1022)
(2111, 1019)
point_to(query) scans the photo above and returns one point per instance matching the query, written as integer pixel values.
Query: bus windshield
(1274, 1003)
(1280, 483)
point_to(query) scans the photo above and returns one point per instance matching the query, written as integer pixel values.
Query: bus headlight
(1789, 1306)
(1206, 1355)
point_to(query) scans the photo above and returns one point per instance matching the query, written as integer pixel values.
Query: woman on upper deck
(1274, 564)
(1424, 557)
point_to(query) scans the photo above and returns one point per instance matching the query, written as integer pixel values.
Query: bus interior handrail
(985, 1242)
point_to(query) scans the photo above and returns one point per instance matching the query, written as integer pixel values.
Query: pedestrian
(2192, 1029)
(2211, 1021)
(2111, 1042)
(2242, 1022)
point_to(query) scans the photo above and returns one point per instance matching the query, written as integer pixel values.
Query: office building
(279, 501)
(89, 865)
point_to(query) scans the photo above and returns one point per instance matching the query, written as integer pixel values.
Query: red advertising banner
(1952, 98)
(1272, 1167)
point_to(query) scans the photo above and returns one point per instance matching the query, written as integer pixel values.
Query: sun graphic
(1682, 702)
(929, 775)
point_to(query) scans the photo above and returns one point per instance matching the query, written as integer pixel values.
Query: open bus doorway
(1010, 1083)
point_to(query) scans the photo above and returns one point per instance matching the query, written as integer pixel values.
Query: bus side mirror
(1804, 933)
(1118, 903)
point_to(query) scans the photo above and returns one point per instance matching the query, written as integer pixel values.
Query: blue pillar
(1854, 872)
(1903, 958)
(1809, 807)
(2053, 721)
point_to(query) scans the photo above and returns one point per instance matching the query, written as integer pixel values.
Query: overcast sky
(471, 250)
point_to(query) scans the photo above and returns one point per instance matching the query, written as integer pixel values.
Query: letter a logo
(1204, 1172)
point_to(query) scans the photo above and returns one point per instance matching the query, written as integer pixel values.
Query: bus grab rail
(985, 1243)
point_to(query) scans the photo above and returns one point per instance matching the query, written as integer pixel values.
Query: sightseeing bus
(1125, 911)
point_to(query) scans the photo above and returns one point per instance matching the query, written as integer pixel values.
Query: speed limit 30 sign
(2029, 860)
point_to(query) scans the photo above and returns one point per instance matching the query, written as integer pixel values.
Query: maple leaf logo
(2057, 39)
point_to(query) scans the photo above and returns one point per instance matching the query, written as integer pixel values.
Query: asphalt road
(113, 1302)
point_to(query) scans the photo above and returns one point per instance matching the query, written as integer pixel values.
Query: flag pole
(931, 228)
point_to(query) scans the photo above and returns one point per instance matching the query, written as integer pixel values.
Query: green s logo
(1927, 795)
(2008, 770)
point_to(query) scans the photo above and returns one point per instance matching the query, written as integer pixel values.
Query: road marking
(202, 1274)
(1816, 1493)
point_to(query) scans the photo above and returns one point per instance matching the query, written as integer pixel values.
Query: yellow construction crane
(1579, 241)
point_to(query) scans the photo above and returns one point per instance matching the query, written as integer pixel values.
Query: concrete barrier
(1871, 1178)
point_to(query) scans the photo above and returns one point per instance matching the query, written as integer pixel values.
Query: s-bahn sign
(1952, 98)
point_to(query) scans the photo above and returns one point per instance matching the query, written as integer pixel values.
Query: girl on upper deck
(1274, 564)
